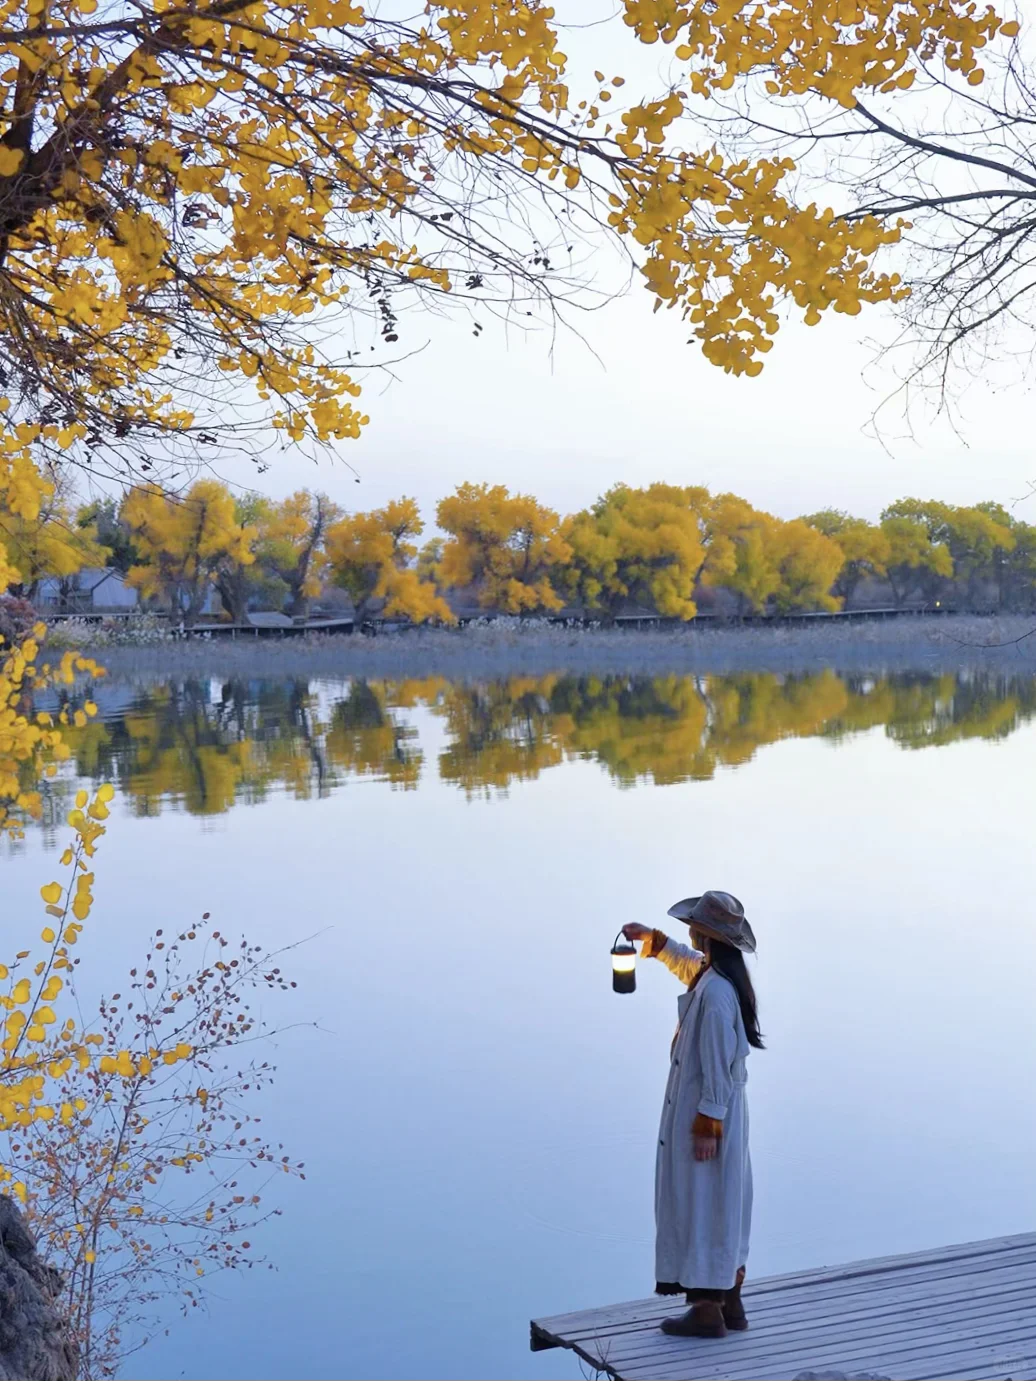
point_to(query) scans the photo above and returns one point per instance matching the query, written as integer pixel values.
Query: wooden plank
(932, 1360)
(896, 1332)
(934, 1367)
(901, 1260)
(930, 1354)
(761, 1308)
(975, 1252)
(884, 1314)
(760, 1297)
(961, 1313)
(884, 1302)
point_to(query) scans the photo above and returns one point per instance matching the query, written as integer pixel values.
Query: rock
(831, 1375)
(34, 1341)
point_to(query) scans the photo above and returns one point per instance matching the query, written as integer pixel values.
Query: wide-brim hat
(719, 915)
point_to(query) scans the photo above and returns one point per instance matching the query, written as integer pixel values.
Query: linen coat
(703, 1209)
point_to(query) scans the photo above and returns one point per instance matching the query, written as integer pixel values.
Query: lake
(476, 1109)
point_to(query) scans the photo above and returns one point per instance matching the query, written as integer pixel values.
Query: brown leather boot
(733, 1310)
(704, 1319)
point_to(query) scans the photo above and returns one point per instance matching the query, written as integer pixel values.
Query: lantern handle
(619, 937)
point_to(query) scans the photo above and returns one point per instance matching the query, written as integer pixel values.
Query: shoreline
(942, 644)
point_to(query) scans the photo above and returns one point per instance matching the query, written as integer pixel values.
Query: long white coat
(703, 1209)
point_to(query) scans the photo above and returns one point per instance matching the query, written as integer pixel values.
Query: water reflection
(205, 746)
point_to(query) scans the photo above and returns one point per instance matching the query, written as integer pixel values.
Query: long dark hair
(730, 962)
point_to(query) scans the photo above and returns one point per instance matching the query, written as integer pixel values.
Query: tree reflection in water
(205, 746)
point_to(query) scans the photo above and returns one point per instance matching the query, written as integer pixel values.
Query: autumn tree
(639, 545)
(372, 556)
(864, 547)
(506, 547)
(242, 584)
(915, 563)
(808, 563)
(54, 542)
(755, 577)
(292, 536)
(184, 542)
(977, 539)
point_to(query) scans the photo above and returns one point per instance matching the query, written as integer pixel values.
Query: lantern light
(624, 965)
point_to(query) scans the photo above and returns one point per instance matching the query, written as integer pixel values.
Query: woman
(703, 1174)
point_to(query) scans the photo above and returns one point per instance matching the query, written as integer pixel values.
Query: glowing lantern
(624, 966)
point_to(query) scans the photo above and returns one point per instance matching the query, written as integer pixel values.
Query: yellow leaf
(52, 892)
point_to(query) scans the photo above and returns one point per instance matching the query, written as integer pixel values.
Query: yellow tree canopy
(865, 547)
(505, 546)
(184, 540)
(50, 543)
(914, 559)
(372, 555)
(292, 534)
(808, 563)
(642, 545)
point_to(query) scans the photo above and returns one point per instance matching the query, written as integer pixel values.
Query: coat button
(661, 1143)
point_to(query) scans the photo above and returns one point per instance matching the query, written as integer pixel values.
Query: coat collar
(687, 997)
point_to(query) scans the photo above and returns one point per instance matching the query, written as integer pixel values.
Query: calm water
(476, 1109)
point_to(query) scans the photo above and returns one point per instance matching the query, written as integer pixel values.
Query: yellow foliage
(372, 556)
(639, 545)
(292, 537)
(505, 547)
(184, 541)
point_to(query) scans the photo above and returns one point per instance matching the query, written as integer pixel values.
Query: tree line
(671, 550)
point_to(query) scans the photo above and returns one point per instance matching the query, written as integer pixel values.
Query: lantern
(624, 966)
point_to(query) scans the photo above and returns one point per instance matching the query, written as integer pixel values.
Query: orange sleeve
(655, 942)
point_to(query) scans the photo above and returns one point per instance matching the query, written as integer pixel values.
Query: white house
(87, 590)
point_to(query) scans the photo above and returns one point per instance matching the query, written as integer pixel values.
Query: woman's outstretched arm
(679, 959)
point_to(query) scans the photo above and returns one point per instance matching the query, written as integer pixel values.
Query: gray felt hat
(719, 915)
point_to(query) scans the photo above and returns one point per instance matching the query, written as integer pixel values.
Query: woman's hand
(636, 931)
(706, 1147)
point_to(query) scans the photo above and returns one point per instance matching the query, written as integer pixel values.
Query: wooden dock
(948, 1315)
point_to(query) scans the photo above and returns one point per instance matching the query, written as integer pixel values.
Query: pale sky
(636, 403)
